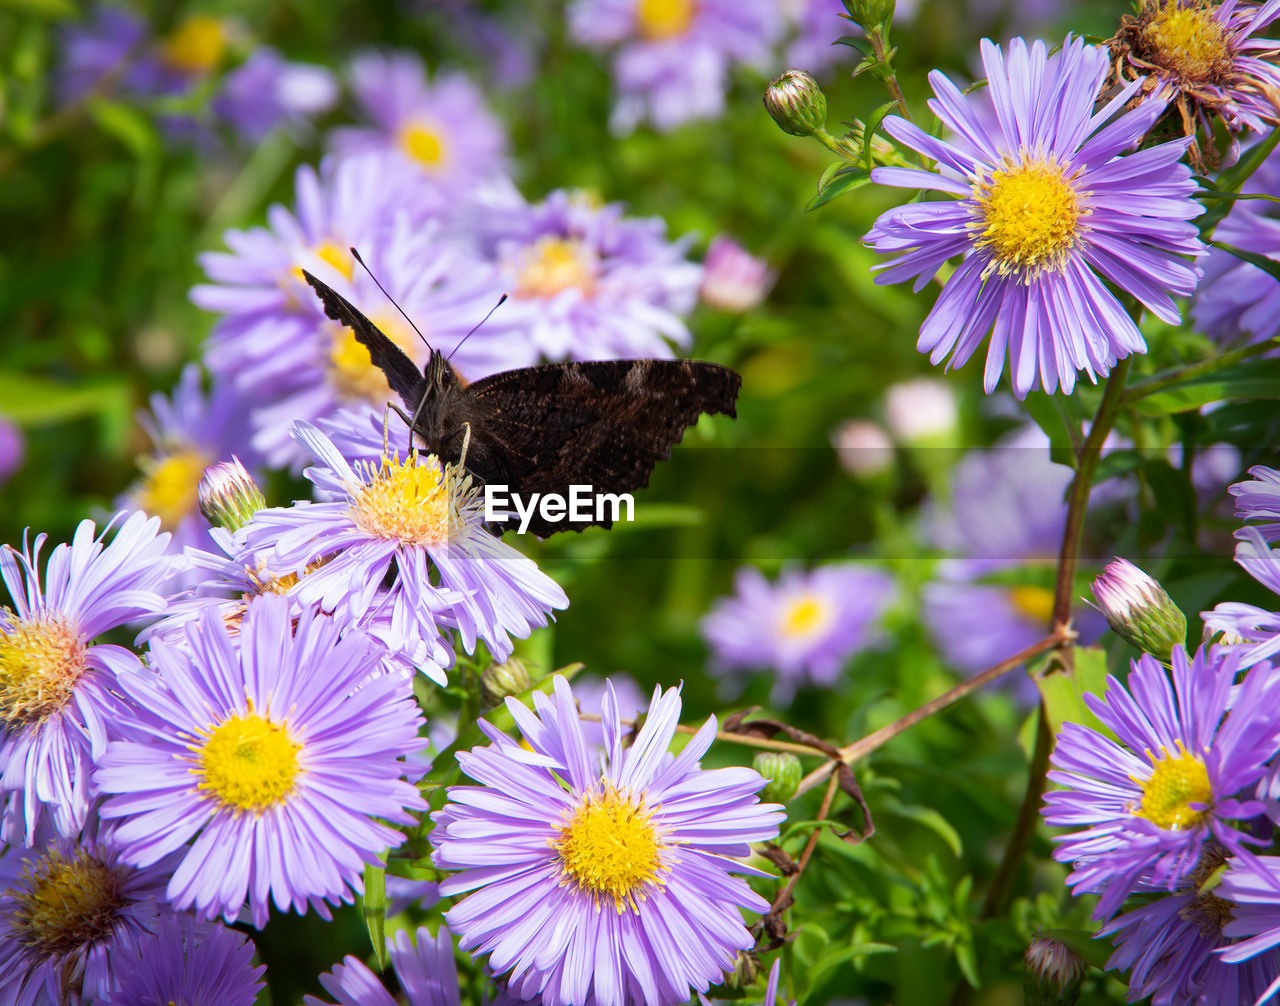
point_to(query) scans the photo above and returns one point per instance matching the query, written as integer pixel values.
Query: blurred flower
(284, 738)
(922, 411)
(586, 282)
(1174, 947)
(422, 525)
(427, 974)
(187, 962)
(1036, 277)
(1252, 630)
(1259, 499)
(12, 449)
(443, 130)
(509, 47)
(1147, 805)
(796, 103)
(1139, 610)
(266, 91)
(111, 41)
(805, 627)
(672, 57)
(733, 279)
(1207, 53)
(635, 851)
(817, 24)
(1053, 975)
(58, 698)
(72, 919)
(862, 447)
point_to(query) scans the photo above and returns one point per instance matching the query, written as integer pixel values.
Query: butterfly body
(543, 429)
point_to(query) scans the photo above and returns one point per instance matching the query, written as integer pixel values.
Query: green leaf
(374, 907)
(935, 822)
(1255, 378)
(846, 179)
(30, 400)
(1270, 266)
(126, 124)
(869, 130)
(1063, 692)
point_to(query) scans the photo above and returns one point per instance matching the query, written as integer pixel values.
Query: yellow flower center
(411, 501)
(1176, 782)
(1034, 602)
(41, 659)
(329, 252)
(64, 904)
(805, 616)
(1029, 217)
(659, 19)
(351, 369)
(551, 265)
(196, 46)
(170, 486)
(423, 143)
(611, 849)
(1188, 41)
(248, 762)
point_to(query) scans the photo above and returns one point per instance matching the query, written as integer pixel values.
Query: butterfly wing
(402, 373)
(603, 423)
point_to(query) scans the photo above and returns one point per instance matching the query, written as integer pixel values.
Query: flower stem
(1172, 378)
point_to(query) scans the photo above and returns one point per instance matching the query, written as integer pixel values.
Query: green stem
(1172, 378)
(889, 77)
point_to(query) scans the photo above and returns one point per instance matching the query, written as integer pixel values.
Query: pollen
(1034, 602)
(196, 46)
(1029, 217)
(551, 265)
(65, 903)
(41, 659)
(805, 616)
(248, 762)
(659, 19)
(414, 502)
(351, 369)
(1177, 781)
(611, 849)
(1188, 41)
(423, 143)
(329, 252)
(170, 487)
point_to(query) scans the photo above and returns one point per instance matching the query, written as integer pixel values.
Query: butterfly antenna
(390, 298)
(501, 300)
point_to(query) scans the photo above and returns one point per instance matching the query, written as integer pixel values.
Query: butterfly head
(439, 373)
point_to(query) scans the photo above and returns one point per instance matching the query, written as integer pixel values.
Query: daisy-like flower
(1253, 631)
(187, 962)
(1147, 806)
(420, 522)
(617, 887)
(1252, 887)
(442, 130)
(673, 56)
(805, 627)
(74, 913)
(427, 972)
(58, 702)
(266, 91)
(586, 282)
(1259, 499)
(1178, 948)
(1045, 210)
(1208, 54)
(276, 754)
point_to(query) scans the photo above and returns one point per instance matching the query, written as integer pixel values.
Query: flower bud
(782, 770)
(869, 14)
(1138, 609)
(497, 681)
(796, 103)
(228, 495)
(1054, 973)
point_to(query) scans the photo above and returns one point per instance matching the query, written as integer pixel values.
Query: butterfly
(543, 429)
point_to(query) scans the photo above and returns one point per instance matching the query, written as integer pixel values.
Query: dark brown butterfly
(603, 423)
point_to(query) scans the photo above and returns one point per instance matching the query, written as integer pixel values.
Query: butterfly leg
(408, 422)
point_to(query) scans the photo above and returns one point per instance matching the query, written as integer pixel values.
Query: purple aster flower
(1035, 280)
(273, 341)
(427, 973)
(266, 91)
(58, 702)
(805, 627)
(1208, 55)
(733, 279)
(590, 692)
(616, 887)
(673, 56)
(1147, 805)
(419, 522)
(112, 41)
(187, 962)
(12, 448)
(1236, 300)
(72, 917)
(275, 753)
(586, 282)
(1254, 631)
(1259, 499)
(817, 24)
(1252, 888)
(442, 130)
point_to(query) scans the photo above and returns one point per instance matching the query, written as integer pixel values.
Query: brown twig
(732, 738)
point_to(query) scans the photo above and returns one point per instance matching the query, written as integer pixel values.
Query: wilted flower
(732, 278)
(187, 962)
(1139, 610)
(617, 887)
(796, 103)
(1034, 280)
